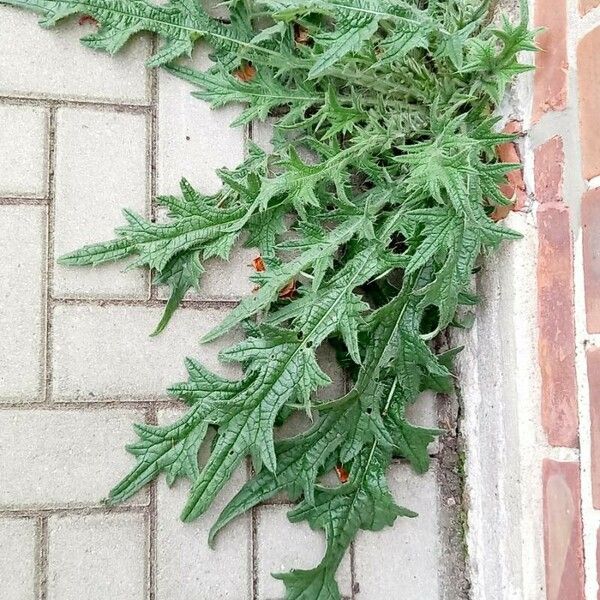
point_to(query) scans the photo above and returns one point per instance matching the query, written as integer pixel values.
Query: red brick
(586, 5)
(556, 327)
(549, 161)
(588, 64)
(593, 369)
(550, 80)
(514, 188)
(590, 222)
(563, 535)
(598, 561)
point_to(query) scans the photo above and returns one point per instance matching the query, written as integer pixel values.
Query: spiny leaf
(181, 274)
(277, 278)
(262, 93)
(346, 308)
(365, 502)
(168, 448)
(181, 23)
(155, 245)
(355, 22)
(246, 417)
(299, 461)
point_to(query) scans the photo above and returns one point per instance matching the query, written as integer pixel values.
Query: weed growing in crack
(393, 101)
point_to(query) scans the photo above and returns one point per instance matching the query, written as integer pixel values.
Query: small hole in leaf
(398, 243)
(309, 344)
(300, 335)
(429, 319)
(369, 410)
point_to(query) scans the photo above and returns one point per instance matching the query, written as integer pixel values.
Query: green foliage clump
(384, 163)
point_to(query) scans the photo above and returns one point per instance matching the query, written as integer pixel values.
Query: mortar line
(153, 152)
(353, 582)
(252, 549)
(152, 517)
(254, 553)
(110, 105)
(114, 403)
(43, 512)
(23, 201)
(248, 135)
(47, 311)
(145, 303)
(41, 558)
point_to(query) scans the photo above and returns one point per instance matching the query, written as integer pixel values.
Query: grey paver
(17, 559)
(402, 561)
(186, 566)
(262, 132)
(22, 236)
(23, 151)
(424, 412)
(193, 140)
(91, 193)
(63, 458)
(96, 557)
(52, 63)
(106, 352)
(283, 546)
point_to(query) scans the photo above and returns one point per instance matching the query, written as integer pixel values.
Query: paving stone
(63, 458)
(403, 561)
(563, 536)
(17, 559)
(216, 9)
(550, 80)
(23, 151)
(91, 193)
(95, 557)
(262, 132)
(187, 567)
(424, 412)
(193, 140)
(22, 235)
(106, 352)
(556, 341)
(588, 65)
(283, 546)
(51, 63)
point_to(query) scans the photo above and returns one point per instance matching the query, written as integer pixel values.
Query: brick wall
(565, 132)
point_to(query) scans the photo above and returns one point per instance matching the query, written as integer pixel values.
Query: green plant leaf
(181, 23)
(365, 502)
(299, 462)
(278, 277)
(181, 274)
